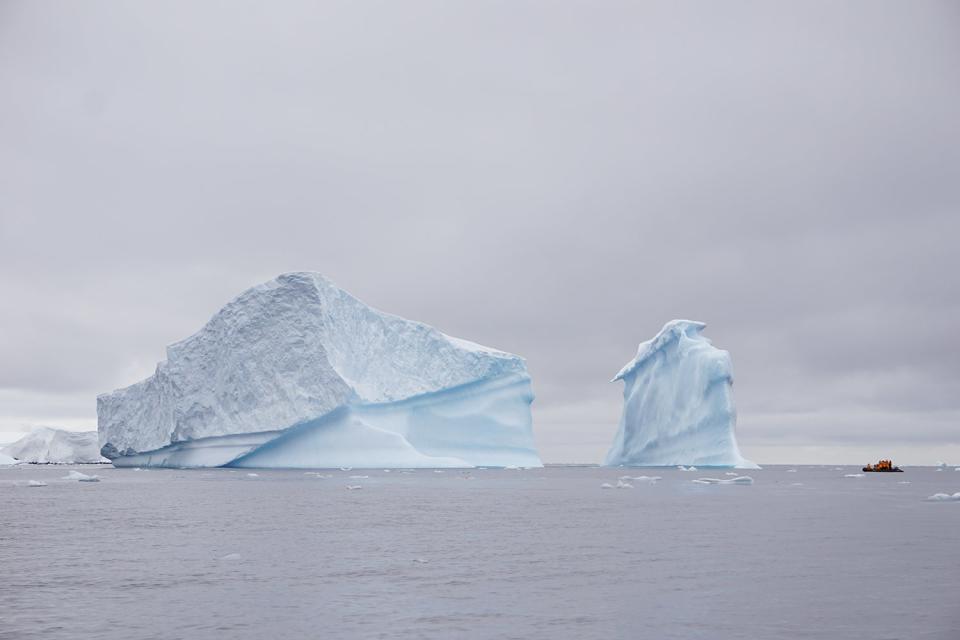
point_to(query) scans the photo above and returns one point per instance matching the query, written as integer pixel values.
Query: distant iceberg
(45, 445)
(678, 406)
(297, 373)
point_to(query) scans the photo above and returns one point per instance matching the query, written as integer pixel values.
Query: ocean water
(543, 553)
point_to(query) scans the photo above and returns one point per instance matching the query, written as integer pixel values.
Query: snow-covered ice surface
(6, 460)
(46, 445)
(534, 554)
(677, 403)
(297, 373)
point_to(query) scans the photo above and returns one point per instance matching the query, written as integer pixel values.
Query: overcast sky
(555, 179)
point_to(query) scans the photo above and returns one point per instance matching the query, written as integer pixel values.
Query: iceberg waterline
(678, 405)
(297, 373)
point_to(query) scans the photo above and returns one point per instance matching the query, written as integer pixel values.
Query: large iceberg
(297, 373)
(45, 445)
(677, 404)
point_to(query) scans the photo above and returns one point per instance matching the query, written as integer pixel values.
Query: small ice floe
(607, 485)
(791, 470)
(624, 485)
(358, 477)
(386, 470)
(796, 484)
(737, 480)
(853, 475)
(137, 469)
(731, 473)
(438, 470)
(646, 479)
(353, 487)
(941, 464)
(80, 477)
(346, 468)
(420, 561)
(253, 475)
(681, 467)
(944, 497)
(512, 467)
(230, 557)
(36, 483)
(838, 468)
(904, 482)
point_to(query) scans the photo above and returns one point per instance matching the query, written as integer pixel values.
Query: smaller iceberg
(45, 445)
(677, 404)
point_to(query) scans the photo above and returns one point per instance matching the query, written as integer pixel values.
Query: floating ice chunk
(731, 473)
(853, 475)
(438, 471)
(346, 468)
(944, 497)
(624, 485)
(791, 470)
(231, 557)
(253, 475)
(737, 480)
(353, 487)
(941, 464)
(796, 484)
(904, 482)
(358, 477)
(646, 479)
(421, 560)
(36, 483)
(80, 477)
(677, 403)
(607, 485)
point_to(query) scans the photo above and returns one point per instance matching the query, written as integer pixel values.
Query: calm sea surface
(524, 554)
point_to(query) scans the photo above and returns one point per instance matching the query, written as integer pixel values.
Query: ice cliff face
(56, 446)
(296, 373)
(677, 403)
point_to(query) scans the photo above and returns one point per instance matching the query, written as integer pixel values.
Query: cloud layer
(553, 179)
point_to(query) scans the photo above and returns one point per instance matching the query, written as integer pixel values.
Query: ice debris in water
(80, 477)
(944, 497)
(231, 556)
(624, 485)
(646, 479)
(358, 477)
(853, 475)
(737, 480)
(791, 470)
(353, 487)
(297, 373)
(677, 403)
(36, 483)
(607, 485)
(253, 475)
